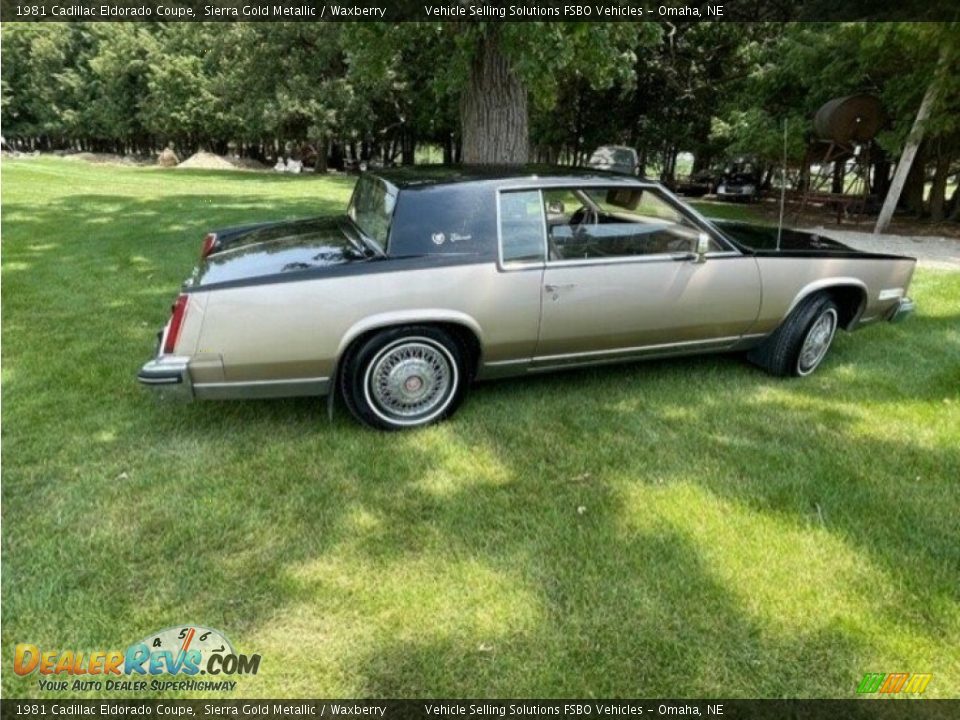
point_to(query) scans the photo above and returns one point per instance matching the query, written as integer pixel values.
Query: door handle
(557, 288)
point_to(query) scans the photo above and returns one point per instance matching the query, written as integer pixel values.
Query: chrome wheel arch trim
(827, 284)
(398, 318)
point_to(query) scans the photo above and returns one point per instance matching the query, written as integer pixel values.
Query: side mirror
(703, 247)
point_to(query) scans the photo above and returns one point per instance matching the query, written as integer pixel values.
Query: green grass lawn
(678, 528)
(720, 210)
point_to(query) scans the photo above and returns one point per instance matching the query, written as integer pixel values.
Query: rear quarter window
(444, 220)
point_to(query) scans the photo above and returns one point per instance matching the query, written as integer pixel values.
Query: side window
(521, 226)
(592, 223)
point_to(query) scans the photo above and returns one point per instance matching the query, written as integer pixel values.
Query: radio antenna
(783, 184)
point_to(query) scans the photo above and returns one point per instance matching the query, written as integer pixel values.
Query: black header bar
(477, 10)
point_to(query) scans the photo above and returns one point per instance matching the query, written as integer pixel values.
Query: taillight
(176, 322)
(209, 245)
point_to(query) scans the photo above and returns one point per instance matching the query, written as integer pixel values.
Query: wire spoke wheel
(817, 342)
(411, 381)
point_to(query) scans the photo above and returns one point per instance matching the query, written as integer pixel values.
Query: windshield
(371, 208)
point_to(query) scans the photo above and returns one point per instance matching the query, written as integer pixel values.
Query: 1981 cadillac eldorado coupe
(436, 277)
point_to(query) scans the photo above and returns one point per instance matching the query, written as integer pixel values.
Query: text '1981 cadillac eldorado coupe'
(436, 277)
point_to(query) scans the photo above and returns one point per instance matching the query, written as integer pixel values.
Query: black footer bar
(854, 709)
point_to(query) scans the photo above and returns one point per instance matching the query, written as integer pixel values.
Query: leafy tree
(42, 62)
(283, 82)
(806, 65)
(485, 92)
(495, 71)
(118, 75)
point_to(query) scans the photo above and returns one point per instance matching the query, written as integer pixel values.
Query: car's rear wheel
(404, 378)
(800, 344)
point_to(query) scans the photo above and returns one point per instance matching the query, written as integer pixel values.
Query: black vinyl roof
(425, 175)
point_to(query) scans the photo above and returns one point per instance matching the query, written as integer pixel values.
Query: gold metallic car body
(284, 338)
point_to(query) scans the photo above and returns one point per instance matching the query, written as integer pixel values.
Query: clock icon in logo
(183, 638)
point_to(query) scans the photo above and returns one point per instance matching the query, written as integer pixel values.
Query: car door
(622, 279)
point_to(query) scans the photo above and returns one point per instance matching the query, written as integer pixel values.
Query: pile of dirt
(206, 161)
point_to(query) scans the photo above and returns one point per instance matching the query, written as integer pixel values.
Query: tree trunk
(408, 147)
(911, 197)
(493, 111)
(321, 164)
(953, 207)
(839, 170)
(448, 150)
(938, 193)
(336, 155)
(803, 179)
(881, 175)
(669, 172)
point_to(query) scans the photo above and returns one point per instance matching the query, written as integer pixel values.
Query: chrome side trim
(253, 389)
(655, 353)
(541, 363)
(616, 353)
(633, 259)
(506, 363)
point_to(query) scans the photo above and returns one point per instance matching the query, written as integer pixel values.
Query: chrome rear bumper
(902, 310)
(168, 376)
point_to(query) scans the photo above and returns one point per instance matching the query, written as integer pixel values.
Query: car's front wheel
(404, 378)
(801, 343)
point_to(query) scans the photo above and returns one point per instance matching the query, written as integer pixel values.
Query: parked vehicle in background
(740, 181)
(438, 276)
(615, 158)
(698, 184)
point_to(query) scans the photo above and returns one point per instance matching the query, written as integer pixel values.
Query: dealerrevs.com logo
(185, 652)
